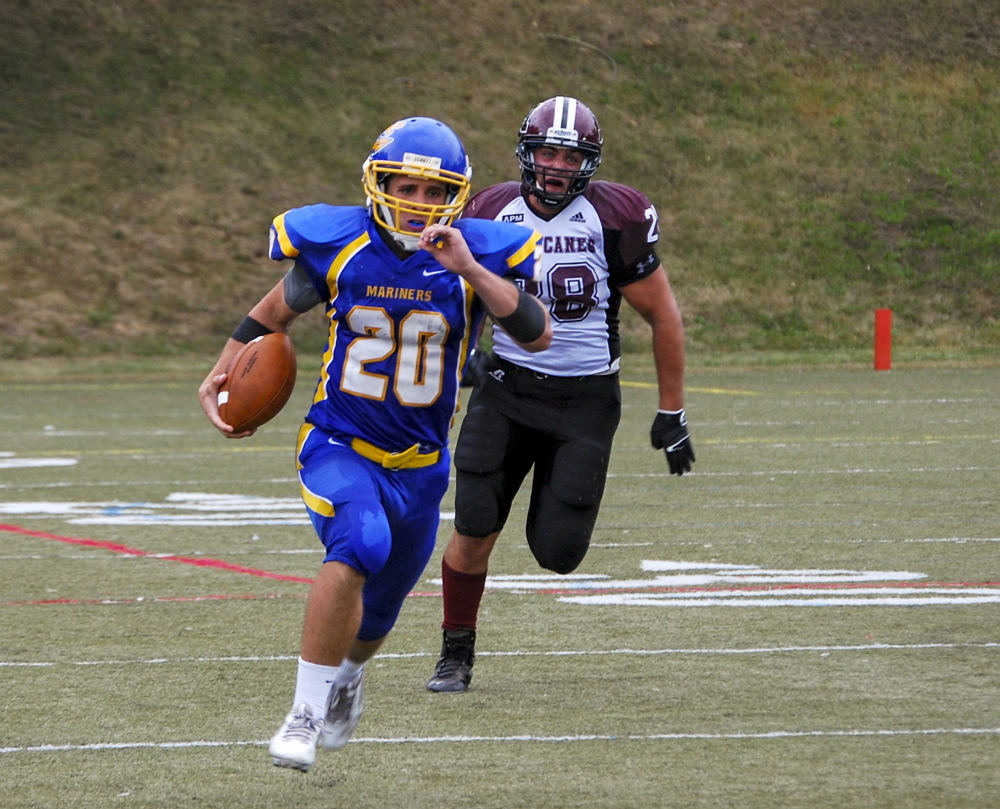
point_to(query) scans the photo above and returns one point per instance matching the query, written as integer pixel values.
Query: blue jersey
(400, 328)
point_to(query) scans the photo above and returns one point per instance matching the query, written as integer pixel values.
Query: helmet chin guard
(426, 149)
(562, 123)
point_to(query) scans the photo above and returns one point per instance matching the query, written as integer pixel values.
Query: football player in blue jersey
(557, 411)
(406, 288)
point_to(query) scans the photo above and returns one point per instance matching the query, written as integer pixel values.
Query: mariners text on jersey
(399, 292)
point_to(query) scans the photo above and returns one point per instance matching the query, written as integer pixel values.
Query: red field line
(126, 550)
(187, 560)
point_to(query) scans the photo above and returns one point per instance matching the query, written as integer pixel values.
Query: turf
(860, 506)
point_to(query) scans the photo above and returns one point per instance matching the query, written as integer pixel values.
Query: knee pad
(478, 507)
(560, 536)
(479, 461)
(565, 503)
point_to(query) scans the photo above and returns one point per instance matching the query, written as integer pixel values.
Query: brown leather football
(258, 383)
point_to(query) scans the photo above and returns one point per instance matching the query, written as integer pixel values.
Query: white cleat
(343, 713)
(294, 745)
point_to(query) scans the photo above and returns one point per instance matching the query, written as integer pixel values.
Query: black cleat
(454, 669)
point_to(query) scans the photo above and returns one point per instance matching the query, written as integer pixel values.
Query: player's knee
(377, 622)
(477, 505)
(465, 553)
(559, 537)
(561, 555)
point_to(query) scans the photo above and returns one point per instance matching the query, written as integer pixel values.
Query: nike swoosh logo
(433, 272)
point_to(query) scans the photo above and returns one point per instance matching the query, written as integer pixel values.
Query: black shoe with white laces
(454, 669)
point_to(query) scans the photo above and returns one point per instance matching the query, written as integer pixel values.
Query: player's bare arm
(504, 300)
(653, 299)
(272, 314)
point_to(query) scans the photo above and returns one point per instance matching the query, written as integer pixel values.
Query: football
(258, 383)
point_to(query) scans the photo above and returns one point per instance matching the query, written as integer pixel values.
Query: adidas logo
(577, 217)
(497, 375)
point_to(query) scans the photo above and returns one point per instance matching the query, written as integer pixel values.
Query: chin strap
(549, 202)
(407, 243)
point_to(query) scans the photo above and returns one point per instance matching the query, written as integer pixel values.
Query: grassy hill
(811, 160)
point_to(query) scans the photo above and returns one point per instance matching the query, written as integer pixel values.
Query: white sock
(348, 671)
(312, 685)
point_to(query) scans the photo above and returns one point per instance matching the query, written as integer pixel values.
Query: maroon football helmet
(562, 122)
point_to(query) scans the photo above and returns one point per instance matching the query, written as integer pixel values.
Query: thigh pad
(483, 441)
(579, 471)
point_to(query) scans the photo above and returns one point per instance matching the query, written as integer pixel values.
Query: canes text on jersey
(568, 244)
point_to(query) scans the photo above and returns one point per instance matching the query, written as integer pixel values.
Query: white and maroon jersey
(600, 242)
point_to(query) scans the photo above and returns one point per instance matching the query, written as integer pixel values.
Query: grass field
(807, 620)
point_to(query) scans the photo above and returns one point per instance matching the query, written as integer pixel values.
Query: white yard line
(764, 650)
(626, 737)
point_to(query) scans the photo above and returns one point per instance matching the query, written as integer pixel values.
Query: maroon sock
(462, 594)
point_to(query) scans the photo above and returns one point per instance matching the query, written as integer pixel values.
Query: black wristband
(250, 329)
(527, 322)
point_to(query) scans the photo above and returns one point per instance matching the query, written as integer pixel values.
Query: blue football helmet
(423, 148)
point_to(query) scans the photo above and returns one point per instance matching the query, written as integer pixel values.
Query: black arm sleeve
(300, 294)
(527, 322)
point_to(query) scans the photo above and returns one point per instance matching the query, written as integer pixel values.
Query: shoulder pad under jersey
(622, 207)
(490, 201)
(320, 224)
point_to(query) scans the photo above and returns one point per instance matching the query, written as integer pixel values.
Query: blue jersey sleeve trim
(281, 246)
(530, 256)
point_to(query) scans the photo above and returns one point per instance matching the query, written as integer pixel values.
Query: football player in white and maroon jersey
(557, 410)
(405, 293)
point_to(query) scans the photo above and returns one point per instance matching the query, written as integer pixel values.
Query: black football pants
(563, 427)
